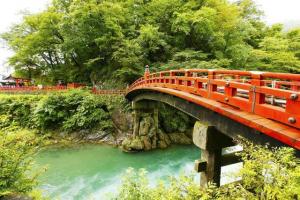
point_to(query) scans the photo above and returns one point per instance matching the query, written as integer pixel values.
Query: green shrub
(16, 151)
(89, 112)
(270, 173)
(54, 109)
(173, 120)
(18, 108)
(4, 121)
(68, 111)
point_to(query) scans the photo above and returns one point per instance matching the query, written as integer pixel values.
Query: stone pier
(145, 134)
(211, 142)
(141, 109)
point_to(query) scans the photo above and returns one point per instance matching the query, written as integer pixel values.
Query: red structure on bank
(16, 81)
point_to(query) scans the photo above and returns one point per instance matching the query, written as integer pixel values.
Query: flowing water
(93, 171)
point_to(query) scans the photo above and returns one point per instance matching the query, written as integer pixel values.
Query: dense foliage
(172, 120)
(16, 150)
(68, 111)
(95, 41)
(267, 175)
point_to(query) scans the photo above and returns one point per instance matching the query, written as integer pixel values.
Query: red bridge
(266, 102)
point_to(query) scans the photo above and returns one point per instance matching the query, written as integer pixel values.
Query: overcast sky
(10, 13)
(283, 11)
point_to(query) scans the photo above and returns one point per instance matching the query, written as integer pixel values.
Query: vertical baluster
(187, 81)
(255, 97)
(210, 87)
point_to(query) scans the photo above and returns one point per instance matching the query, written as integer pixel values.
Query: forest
(109, 42)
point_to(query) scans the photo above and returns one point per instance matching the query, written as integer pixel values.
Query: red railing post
(210, 87)
(229, 91)
(293, 104)
(187, 74)
(147, 74)
(255, 97)
(295, 86)
(237, 78)
(161, 79)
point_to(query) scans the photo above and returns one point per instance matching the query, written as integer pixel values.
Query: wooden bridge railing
(272, 95)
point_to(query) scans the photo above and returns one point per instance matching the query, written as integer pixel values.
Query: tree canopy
(95, 41)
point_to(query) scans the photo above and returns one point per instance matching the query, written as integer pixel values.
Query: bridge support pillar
(139, 109)
(136, 119)
(211, 142)
(145, 134)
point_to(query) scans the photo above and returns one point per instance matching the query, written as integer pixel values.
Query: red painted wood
(263, 99)
(28, 89)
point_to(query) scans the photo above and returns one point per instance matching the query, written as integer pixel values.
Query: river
(94, 171)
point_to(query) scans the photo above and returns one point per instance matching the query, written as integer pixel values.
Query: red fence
(36, 89)
(32, 88)
(271, 95)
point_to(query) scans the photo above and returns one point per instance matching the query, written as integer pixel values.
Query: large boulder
(164, 137)
(162, 144)
(133, 144)
(147, 143)
(147, 126)
(122, 120)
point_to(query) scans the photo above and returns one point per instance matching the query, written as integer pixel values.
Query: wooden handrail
(254, 94)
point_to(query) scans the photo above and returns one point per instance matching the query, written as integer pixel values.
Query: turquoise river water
(94, 171)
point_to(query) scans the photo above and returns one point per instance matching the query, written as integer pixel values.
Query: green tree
(278, 51)
(98, 41)
(16, 151)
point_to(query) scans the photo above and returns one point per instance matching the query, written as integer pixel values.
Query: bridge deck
(274, 111)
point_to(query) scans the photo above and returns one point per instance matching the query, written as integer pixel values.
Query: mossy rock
(132, 144)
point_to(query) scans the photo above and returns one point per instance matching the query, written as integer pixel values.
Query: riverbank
(77, 116)
(39, 142)
(21, 148)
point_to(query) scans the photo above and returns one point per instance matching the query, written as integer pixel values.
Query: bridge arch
(267, 102)
(223, 124)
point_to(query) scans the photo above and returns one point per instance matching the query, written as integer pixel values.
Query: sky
(276, 11)
(10, 13)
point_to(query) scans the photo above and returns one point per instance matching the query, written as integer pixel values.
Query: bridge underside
(222, 123)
